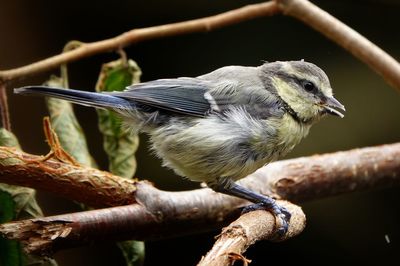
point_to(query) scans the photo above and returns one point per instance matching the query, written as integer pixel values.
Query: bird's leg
(229, 187)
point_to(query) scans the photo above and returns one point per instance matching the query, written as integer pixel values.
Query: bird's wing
(190, 96)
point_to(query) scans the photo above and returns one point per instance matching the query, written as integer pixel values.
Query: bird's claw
(282, 215)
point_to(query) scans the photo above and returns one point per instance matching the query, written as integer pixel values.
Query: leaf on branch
(10, 250)
(8, 139)
(133, 252)
(25, 203)
(119, 143)
(24, 198)
(67, 127)
(17, 203)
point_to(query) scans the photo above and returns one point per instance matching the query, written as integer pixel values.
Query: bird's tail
(94, 99)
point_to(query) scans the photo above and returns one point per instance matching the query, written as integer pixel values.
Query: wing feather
(190, 96)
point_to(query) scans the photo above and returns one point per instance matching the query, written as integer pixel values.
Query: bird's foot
(282, 215)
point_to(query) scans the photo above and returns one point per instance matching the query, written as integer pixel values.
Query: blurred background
(346, 229)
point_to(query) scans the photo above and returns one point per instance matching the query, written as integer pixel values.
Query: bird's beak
(330, 105)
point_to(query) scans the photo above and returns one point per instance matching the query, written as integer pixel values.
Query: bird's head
(304, 87)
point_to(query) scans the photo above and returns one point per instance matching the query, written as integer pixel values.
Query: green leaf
(67, 127)
(10, 250)
(133, 252)
(23, 197)
(8, 139)
(7, 207)
(119, 143)
(17, 203)
(25, 203)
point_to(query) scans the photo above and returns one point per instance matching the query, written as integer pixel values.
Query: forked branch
(298, 180)
(245, 231)
(166, 214)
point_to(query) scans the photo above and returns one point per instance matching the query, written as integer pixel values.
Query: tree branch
(161, 214)
(245, 231)
(143, 34)
(303, 10)
(4, 112)
(101, 189)
(158, 214)
(298, 179)
(349, 39)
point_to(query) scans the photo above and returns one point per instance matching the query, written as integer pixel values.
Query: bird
(220, 127)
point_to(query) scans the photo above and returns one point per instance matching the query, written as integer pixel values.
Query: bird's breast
(289, 133)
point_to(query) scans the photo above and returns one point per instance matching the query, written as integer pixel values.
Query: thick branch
(159, 214)
(166, 214)
(320, 176)
(245, 231)
(138, 35)
(349, 39)
(100, 188)
(295, 180)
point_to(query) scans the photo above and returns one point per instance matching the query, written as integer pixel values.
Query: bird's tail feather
(94, 99)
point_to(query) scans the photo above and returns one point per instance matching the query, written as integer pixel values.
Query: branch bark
(143, 34)
(101, 189)
(245, 231)
(298, 180)
(160, 214)
(343, 35)
(4, 112)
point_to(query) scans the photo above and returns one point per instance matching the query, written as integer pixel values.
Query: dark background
(347, 229)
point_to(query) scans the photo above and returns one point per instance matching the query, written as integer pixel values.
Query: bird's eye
(309, 87)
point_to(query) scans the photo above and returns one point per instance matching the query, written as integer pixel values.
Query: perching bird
(221, 126)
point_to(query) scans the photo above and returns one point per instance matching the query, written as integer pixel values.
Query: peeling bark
(83, 184)
(161, 214)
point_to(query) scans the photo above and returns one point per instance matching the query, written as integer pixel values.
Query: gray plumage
(224, 125)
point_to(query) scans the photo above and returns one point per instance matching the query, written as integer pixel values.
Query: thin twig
(349, 39)
(4, 112)
(303, 10)
(71, 45)
(166, 214)
(143, 34)
(56, 149)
